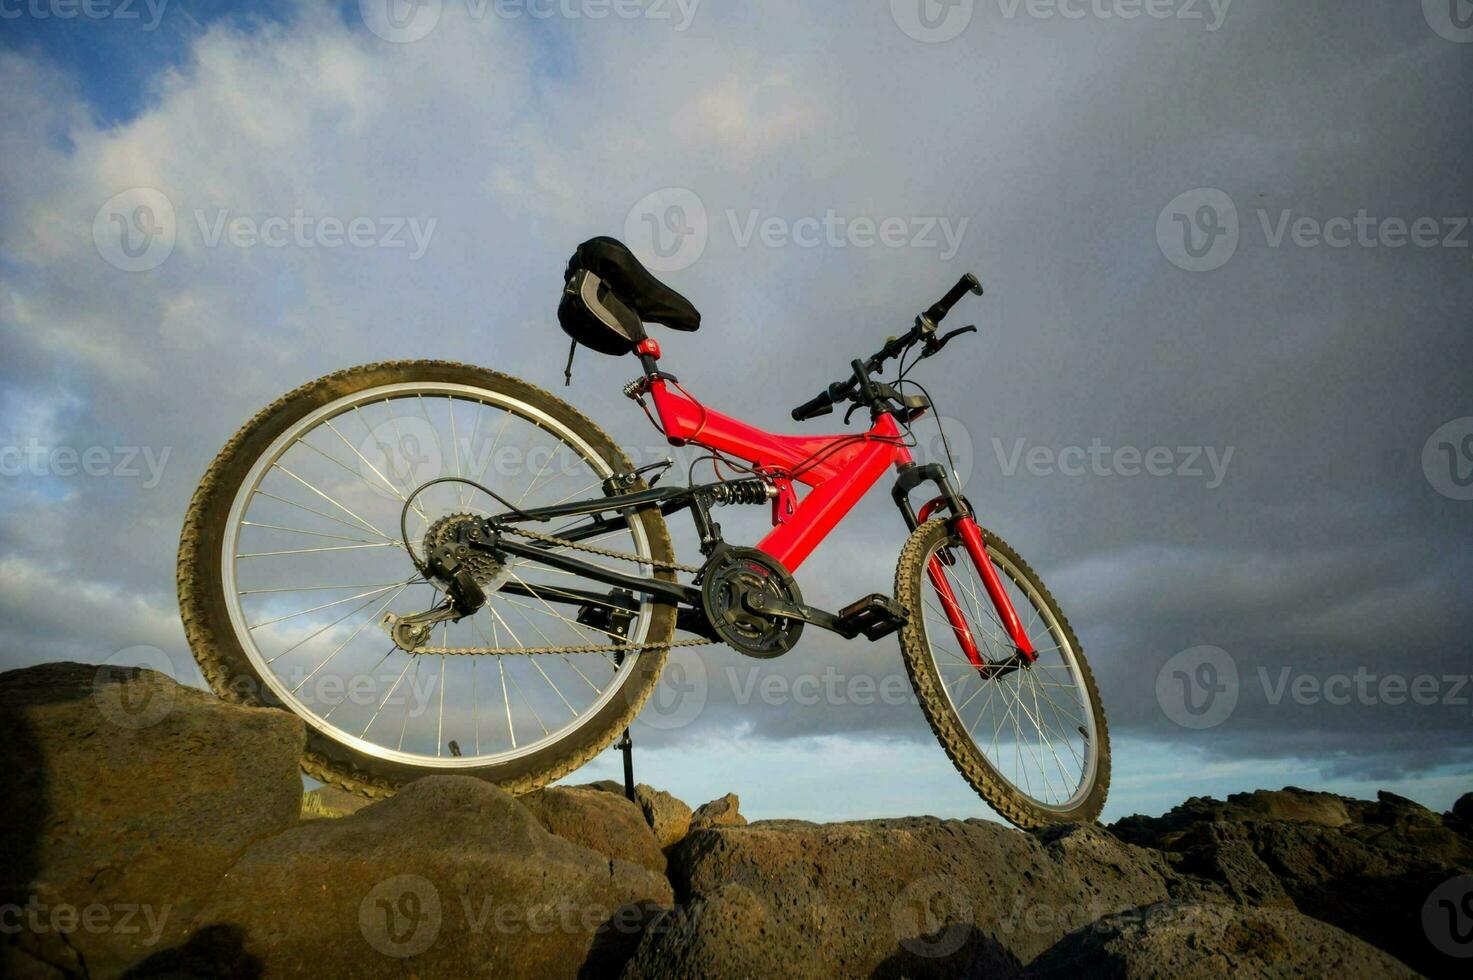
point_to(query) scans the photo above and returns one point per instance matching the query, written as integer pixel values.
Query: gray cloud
(1323, 369)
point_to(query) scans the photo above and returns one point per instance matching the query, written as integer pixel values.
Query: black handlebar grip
(966, 284)
(820, 404)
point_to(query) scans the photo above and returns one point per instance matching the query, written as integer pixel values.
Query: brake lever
(934, 345)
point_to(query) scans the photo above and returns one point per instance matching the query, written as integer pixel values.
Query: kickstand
(626, 746)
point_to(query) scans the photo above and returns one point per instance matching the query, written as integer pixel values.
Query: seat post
(649, 356)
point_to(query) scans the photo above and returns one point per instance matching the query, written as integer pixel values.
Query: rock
(1210, 942)
(726, 934)
(1222, 854)
(718, 813)
(329, 801)
(1289, 804)
(599, 821)
(606, 786)
(450, 877)
(1368, 876)
(667, 816)
(129, 796)
(915, 897)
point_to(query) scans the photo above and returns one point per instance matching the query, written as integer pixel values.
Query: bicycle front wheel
(1031, 739)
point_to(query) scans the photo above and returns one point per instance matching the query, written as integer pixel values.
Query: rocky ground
(153, 830)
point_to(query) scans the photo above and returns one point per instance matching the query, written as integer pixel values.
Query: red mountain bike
(443, 569)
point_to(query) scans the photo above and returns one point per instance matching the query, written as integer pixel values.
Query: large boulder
(1209, 942)
(450, 877)
(914, 897)
(128, 797)
(600, 821)
(1369, 875)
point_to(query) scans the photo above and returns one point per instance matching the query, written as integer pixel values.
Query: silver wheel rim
(1035, 727)
(391, 698)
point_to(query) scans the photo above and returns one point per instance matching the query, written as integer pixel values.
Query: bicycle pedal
(875, 616)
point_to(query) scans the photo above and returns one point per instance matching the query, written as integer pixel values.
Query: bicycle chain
(584, 648)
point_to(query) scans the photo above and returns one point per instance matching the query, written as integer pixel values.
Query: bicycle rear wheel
(1031, 739)
(291, 556)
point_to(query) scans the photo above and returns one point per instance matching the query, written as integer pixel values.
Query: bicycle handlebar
(966, 284)
(823, 403)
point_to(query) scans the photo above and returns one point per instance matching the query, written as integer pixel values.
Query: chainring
(734, 573)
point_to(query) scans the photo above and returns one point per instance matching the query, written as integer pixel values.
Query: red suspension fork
(971, 535)
(955, 614)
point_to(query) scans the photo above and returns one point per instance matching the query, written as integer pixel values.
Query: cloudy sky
(1231, 237)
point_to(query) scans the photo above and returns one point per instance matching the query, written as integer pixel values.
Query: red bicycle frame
(839, 470)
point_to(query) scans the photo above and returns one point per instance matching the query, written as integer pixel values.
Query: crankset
(751, 601)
